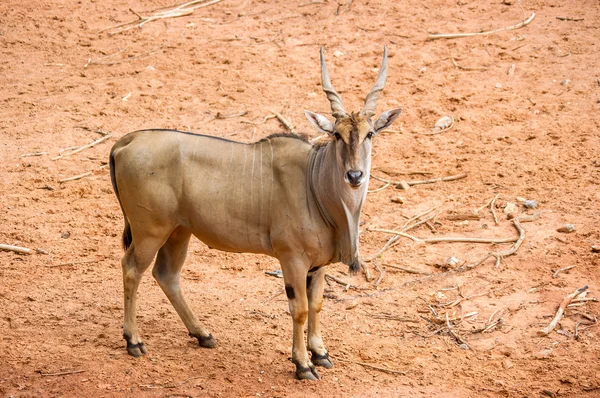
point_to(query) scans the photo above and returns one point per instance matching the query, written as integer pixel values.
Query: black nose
(354, 177)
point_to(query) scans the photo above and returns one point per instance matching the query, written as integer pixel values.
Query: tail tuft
(354, 267)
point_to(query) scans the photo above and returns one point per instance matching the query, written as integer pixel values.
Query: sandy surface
(532, 134)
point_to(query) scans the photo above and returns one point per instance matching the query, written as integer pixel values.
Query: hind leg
(167, 272)
(136, 260)
(315, 284)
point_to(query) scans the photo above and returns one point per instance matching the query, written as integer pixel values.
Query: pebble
(498, 85)
(596, 248)
(398, 199)
(452, 261)
(337, 53)
(531, 204)
(510, 208)
(565, 82)
(566, 229)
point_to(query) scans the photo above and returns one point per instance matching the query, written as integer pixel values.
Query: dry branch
(500, 255)
(367, 365)
(434, 180)
(277, 293)
(179, 11)
(569, 19)
(467, 67)
(26, 155)
(105, 136)
(70, 372)
(405, 227)
(285, 122)
(339, 281)
(77, 177)
(558, 271)
(71, 263)
(16, 249)
(561, 309)
(410, 271)
(489, 32)
(444, 238)
(458, 339)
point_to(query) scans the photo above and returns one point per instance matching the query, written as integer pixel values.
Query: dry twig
(339, 281)
(26, 155)
(71, 263)
(467, 67)
(558, 271)
(70, 372)
(489, 32)
(561, 309)
(569, 19)
(367, 365)
(179, 11)
(285, 122)
(105, 136)
(16, 249)
(410, 271)
(77, 177)
(277, 293)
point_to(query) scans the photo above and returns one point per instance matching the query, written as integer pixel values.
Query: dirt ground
(531, 134)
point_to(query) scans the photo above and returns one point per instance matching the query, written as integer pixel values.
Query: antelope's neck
(339, 204)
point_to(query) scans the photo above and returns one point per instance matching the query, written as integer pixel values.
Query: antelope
(280, 196)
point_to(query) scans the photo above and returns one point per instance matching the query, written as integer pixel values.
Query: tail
(127, 239)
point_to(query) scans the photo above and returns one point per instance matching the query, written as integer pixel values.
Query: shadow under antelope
(280, 196)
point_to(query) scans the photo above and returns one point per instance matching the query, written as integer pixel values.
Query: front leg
(294, 276)
(315, 283)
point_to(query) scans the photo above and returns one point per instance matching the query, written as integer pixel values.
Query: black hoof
(136, 350)
(205, 341)
(322, 360)
(307, 373)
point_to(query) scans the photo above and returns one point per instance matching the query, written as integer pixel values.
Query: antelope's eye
(337, 135)
(370, 135)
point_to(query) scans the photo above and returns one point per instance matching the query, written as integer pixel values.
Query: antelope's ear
(386, 119)
(320, 122)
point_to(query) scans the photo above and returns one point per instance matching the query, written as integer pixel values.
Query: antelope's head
(353, 132)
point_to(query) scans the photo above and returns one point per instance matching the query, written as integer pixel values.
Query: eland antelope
(280, 196)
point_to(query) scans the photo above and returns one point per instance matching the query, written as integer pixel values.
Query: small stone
(566, 229)
(596, 248)
(531, 204)
(565, 82)
(398, 199)
(510, 208)
(352, 305)
(463, 346)
(338, 53)
(403, 185)
(520, 199)
(423, 70)
(544, 354)
(452, 261)
(498, 85)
